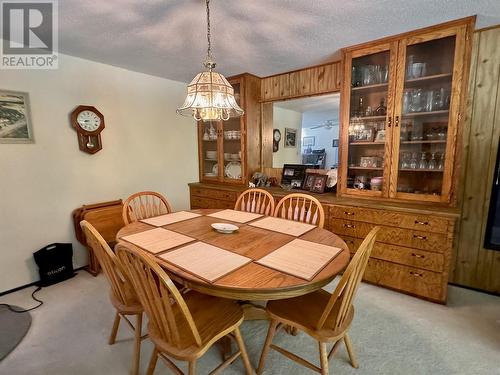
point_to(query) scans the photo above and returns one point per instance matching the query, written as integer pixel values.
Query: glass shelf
(366, 143)
(368, 168)
(433, 113)
(375, 87)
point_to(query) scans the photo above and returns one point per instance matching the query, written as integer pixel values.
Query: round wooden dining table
(251, 282)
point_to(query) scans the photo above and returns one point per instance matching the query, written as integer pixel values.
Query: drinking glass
(423, 161)
(429, 101)
(413, 161)
(416, 100)
(407, 101)
(405, 160)
(432, 162)
(440, 165)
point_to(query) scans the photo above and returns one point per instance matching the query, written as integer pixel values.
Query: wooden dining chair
(325, 317)
(122, 295)
(256, 201)
(143, 205)
(301, 207)
(181, 326)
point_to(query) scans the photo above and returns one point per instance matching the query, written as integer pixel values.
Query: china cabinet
(401, 108)
(229, 151)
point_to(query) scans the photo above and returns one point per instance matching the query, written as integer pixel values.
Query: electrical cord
(40, 303)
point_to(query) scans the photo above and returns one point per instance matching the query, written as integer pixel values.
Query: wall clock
(88, 123)
(276, 140)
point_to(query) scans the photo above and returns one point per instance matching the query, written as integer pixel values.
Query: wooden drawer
(198, 202)
(214, 194)
(402, 255)
(391, 235)
(412, 280)
(391, 218)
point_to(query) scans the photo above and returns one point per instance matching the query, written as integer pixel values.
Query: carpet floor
(391, 333)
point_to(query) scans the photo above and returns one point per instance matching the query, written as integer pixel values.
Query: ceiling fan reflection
(328, 124)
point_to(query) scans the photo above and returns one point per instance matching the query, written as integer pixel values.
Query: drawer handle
(423, 238)
(349, 226)
(348, 213)
(416, 274)
(421, 222)
(418, 256)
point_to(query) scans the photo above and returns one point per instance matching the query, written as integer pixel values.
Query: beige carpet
(392, 334)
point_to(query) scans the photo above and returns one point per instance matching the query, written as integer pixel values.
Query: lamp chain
(209, 62)
(209, 49)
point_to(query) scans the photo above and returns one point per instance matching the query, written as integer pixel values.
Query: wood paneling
(267, 125)
(315, 80)
(475, 266)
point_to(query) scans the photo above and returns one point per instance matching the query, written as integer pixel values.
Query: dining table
(251, 281)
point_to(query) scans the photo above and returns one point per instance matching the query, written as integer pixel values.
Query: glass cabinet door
(232, 143)
(209, 150)
(424, 93)
(368, 137)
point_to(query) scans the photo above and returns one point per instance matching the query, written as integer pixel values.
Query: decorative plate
(233, 170)
(215, 169)
(332, 178)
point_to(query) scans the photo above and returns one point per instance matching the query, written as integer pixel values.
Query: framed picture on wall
(15, 117)
(335, 143)
(290, 137)
(308, 141)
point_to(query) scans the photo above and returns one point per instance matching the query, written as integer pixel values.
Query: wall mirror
(308, 131)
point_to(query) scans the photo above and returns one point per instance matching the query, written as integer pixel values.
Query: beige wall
(286, 118)
(146, 145)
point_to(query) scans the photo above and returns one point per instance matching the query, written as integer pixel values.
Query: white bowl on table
(225, 228)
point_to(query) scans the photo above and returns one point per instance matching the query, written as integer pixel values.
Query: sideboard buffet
(380, 85)
(414, 248)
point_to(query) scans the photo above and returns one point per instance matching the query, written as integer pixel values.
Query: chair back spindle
(301, 207)
(120, 286)
(343, 296)
(144, 205)
(256, 201)
(161, 300)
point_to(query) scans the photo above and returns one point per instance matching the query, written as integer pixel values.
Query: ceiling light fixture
(209, 95)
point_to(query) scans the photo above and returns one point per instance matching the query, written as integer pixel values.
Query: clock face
(88, 120)
(277, 135)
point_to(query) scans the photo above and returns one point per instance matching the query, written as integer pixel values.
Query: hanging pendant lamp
(209, 95)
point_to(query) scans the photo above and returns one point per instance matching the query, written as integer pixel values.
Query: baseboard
(475, 289)
(30, 284)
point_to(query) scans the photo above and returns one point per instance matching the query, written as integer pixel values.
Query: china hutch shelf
(229, 151)
(401, 104)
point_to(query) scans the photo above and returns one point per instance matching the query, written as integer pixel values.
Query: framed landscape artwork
(308, 141)
(15, 117)
(290, 137)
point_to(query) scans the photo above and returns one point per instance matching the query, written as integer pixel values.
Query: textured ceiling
(167, 37)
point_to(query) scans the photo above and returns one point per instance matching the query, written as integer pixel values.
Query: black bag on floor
(55, 263)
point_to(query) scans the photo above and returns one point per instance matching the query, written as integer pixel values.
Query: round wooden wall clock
(88, 123)
(276, 140)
